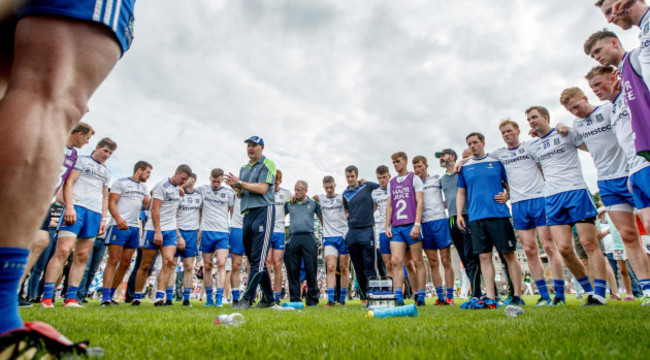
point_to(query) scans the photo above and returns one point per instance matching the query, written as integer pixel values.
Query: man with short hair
(161, 234)
(335, 227)
(84, 217)
(188, 219)
(127, 196)
(255, 187)
(218, 202)
(360, 239)
(276, 252)
(567, 199)
(436, 238)
(482, 179)
(302, 247)
(380, 198)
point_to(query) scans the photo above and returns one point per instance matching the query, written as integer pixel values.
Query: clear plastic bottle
(234, 319)
(513, 310)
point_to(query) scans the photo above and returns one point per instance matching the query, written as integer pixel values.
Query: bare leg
(235, 277)
(554, 257)
(80, 260)
(487, 270)
(148, 257)
(114, 256)
(611, 278)
(420, 271)
(208, 265)
(188, 269)
(168, 263)
(587, 233)
(445, 258)
(122, 267)
(529, 240)
(625, 223)
(562, 235)
(330, 263)
(276, 262)
(55, 266)
(344, 264)
(625, 276)
(397, 250)
(514, 269)
(434, 266)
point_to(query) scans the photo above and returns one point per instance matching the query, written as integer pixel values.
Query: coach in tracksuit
(255, 187)
(302, 245)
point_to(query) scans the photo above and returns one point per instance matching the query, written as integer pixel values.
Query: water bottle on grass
(234, 319)
(513, 310)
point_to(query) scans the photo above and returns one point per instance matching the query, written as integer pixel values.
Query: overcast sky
(333, 83)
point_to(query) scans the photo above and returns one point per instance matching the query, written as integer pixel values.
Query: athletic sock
(208, 294)
(543, 288)
(138, 296)
(112, 293)
(398, 295)
(276, 296)
(330, 294)
(450, 293)
(645, 286)
(600, 290)
(558, 285)
(344, 295)
(219, 296)
(586, 285)
(235, 295)
(160, 295)
(71, 294)
(48, 290)
(106, 294)
(12, 266)
(186, 294)
(169, 293)
(440, 293)
(422, 294)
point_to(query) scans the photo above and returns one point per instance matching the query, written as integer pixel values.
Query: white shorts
(645, 240)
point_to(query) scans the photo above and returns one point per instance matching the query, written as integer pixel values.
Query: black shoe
(419, 303)
(113, 302)
(242, 305)
(135, 302)
(330, 304)
(186, 303)
(159, 302)
(35, 300)
(24, 303)
(517, 300)
(235, 302)
(84, 301)
(105, 303)
(591, 301)
(341, 303)
(168, 303)
(264, 305)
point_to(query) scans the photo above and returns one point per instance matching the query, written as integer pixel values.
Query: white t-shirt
(237, 218)
(281, 197)
(560, 162)
(87, 191)
(168, 194)
(334, 221)
(189, 211)
(434, 207)
(524, 178)
(596, 131)
(380, 198)
(132, 193)
(622, 126)
(216, 204)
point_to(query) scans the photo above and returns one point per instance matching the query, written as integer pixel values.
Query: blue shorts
(640, 181)
(86, 225)
(529, 214)
(278, 240)
(615, 191)
(214, 240)
(384, 244)
(570, 207)
(236, 241)
(337, 242)
(128, 239)
(191, 247)
(403, 234)
(436, 235)
(169, 239)
(119, 20)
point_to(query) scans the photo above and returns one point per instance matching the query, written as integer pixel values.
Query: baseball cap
(256, 140)
(446, 151)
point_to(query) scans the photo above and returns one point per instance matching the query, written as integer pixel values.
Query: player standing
(188, 217)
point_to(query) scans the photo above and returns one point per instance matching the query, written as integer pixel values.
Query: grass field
(618, 330)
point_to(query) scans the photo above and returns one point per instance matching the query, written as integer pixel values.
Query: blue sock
(160, 295)
(12, 266)
(398, 295)
(440, 292)
(138, 296)
(450, 293)
(586, 285)
(208, 294)
(543, 288)
(106, 294)
(422, 294)
(235, 295)
(276, 296)
(330, 294)
(48, 290)
(71, 293)
(219, 295)
(169, 293)
(186, 294)
(645, 286)
(344, 295)
(558, 285)
(600, 288)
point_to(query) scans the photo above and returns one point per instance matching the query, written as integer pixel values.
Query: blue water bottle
(294, 304)
(399, 311)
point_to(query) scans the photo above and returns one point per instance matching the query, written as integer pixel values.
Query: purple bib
(68, 163)
(402, 197)
(637, 98)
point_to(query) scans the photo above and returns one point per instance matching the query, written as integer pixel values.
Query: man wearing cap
(462, 239)
(255, 188)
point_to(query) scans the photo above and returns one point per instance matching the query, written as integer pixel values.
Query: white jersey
(168, 194)
(237, 218)
(87, 191)
(281, 197)
(524, 178)
(216, 206)
(434, 207)
(644, 48)
(596, 131)
(189, 210)
(622, 126)
(380, 198)
(335, 223)
(132, 193)
(560, 162)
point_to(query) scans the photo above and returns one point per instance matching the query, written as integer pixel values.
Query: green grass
(126, 332)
